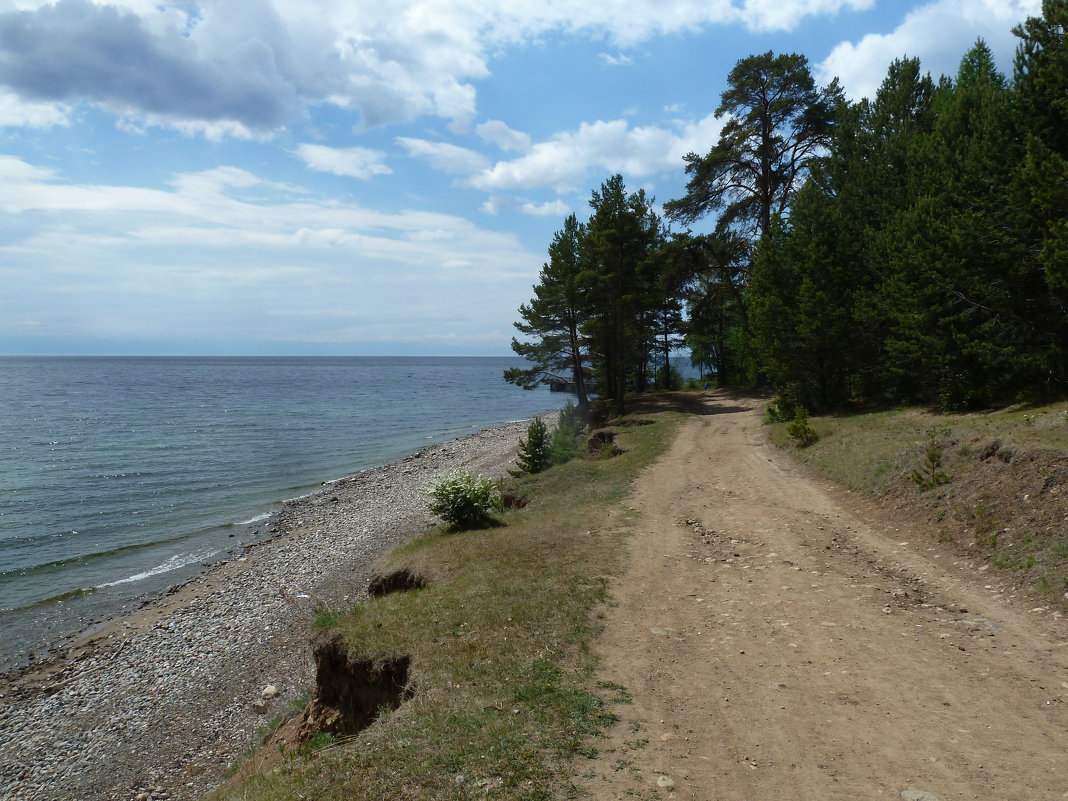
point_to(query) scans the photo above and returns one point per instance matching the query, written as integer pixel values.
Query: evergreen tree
(779, 122)
(622, 236)
(1041, 82)
(535, 452)
(554, 317)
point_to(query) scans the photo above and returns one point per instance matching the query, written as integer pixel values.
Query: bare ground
(784, 641)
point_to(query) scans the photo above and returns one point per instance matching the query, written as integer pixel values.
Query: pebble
(152, 705)
(918, 795)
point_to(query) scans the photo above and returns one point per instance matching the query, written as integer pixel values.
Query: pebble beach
(159, 703)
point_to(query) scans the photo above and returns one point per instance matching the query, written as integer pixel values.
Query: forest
(911, 248)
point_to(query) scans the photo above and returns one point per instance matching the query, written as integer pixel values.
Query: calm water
(120, 476)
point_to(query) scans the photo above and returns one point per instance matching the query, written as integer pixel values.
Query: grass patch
(992, 483)
(503, 697)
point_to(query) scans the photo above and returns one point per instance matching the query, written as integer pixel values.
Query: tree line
(908, 248)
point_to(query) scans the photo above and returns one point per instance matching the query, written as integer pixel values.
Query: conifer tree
(534, 451)
(552, 320)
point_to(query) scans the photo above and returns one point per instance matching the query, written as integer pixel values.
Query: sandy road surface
(780, 646)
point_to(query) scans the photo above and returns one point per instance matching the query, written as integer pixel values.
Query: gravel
(158, 704)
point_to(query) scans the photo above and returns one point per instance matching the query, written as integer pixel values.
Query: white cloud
(615, 61)
(228, 68)
(498, 133)
(563, 161)
(553, 208)
(355, 162)
(443, 157)
(495, 204)
(498, 203)
(939, 34)
(17, 112)
(224, 254)
(784, 15)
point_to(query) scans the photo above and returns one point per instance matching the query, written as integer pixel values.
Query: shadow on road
(715, 401)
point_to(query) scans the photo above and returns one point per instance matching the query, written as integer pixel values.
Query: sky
(367, 177)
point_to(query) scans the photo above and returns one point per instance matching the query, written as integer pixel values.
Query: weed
(930, 474)
(1029, 419)
(1047, 477)
(619, 693)
(318, 742)
(325, 618)
(800, 431)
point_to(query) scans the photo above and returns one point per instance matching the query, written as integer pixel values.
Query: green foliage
(915, 263)
(786, 405)
(318, 742)
(622, 287)
(535, 452)
(554, 317)
(325, 617)
(800, 431)
(564, 444)
(930, 474)
(464, 500)
(774, 413)
(777, 121)
(907, 249)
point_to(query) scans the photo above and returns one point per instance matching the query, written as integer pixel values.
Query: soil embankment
(782, 640)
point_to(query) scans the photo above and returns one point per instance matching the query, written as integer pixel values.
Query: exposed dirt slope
(782, 642)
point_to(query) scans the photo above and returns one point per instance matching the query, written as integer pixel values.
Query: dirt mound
(402, 580)
(1005, 503)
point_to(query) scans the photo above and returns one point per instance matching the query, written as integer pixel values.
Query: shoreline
(81, 626)
(160, 699)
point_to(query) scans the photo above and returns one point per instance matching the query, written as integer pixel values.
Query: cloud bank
(225, 251)
(251, 67)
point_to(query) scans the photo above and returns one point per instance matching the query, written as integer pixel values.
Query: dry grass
(992, 483)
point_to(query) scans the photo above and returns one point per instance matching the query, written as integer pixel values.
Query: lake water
(121, 476)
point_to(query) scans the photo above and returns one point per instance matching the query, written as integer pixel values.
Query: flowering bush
(464, 500)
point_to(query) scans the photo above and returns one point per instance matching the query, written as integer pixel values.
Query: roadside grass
(502, 691)
(993, 483)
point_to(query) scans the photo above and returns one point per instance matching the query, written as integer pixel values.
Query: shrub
(534, 451)
(464, 500)
(800, 431)
(784, 407)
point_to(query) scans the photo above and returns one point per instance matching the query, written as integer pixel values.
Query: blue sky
(357, 177)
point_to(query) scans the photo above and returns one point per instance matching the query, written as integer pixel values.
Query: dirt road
(784, 643)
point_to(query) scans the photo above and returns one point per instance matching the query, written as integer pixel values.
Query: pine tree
(779, 122)
(553, 318)
(535, 450)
